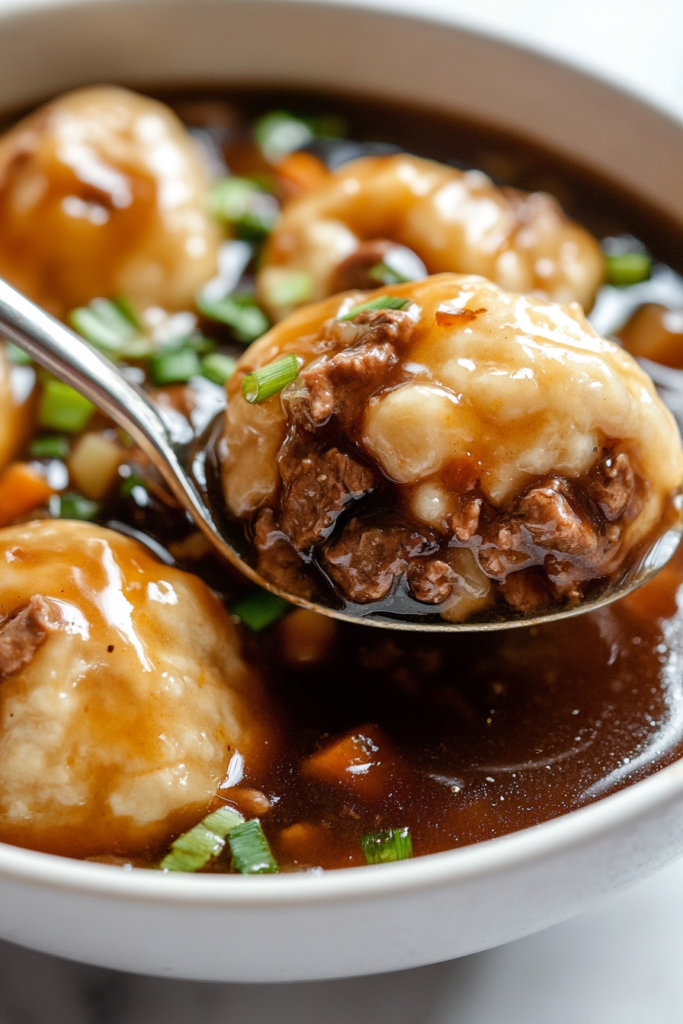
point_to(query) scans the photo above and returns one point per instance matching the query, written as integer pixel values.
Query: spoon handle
(75, 362)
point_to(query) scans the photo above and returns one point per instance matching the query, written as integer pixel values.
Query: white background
(620, 964)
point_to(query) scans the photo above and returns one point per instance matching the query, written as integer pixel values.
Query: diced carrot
(300, 172)
(22, 489)
(363, 761)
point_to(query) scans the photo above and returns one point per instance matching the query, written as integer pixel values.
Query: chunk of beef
(465, 519)
(278, 562)
(355, 271)
(22, 635)
(543, 521)
(527, 591)
(393, 325)
(342, 385)
(366, 560)
(430, 580)
(316, 489)
(614, 487)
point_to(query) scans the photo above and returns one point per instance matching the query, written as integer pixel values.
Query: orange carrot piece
(363, 762)
(22, 489)
(300, 172)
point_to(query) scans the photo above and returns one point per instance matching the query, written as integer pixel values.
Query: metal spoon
(75, 362)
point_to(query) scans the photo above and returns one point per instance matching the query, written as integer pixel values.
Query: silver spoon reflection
(183, 468)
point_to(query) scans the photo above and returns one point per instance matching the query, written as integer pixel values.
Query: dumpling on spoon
(446, 446)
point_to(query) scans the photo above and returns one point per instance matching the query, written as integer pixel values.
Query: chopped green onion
(290, 288)
(218, 367)
(251, 854)
(240, 312)
(73, 506)
(259, 609)
(248, 209)
(268, 380)
(194, 849)
(628, 268)
(383, 302)
(128, 310)
(387, 845)
(50, 447)
(62, 408)
(17, 355)
(384, 274)
(106, 325)
(279, 133)
(130, 483)
(174, 366)
(201, 345)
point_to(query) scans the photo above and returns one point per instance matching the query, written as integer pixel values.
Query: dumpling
(103, 193)
(124, 693)
(450, 442)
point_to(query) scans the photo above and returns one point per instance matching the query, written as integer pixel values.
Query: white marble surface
(620, 964)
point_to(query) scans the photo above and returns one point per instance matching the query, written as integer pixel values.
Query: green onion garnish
(16, 355)
(290, 288)
(628, 268)
(279, 133)
(73, 506)
(105, 324)
(130, 483)
(238, 311)
(50, 447)
(384, 274)
(259, 609)
(194, 849)
(383, 302)
(387, 845)
(174, 366)
(248, 209)
(268, 380)
(218, 367)
(62, 408)
(251, 854)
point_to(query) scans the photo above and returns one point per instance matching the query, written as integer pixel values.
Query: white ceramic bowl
(433, 908)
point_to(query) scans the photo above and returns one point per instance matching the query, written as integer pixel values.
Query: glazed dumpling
(371, 210)
(468, 445)
(103, 193)
(124, 694)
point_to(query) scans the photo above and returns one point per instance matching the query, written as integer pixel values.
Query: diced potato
(94, 463)
(363, 761)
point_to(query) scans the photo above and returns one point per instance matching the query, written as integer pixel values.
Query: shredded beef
(278, 562)
(316, 489)
(527, 591)
(354, 271)
(22, 635)
(366, 560)
(543, 521)
(465, 519)
(343, 384)
(430, 580)
(614, 487)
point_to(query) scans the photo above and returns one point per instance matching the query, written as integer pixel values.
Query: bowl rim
(461, 865)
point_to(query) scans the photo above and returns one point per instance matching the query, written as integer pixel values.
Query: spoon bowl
(191, 472)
